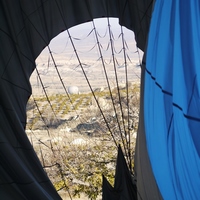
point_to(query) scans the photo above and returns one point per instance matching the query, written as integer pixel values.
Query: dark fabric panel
(146, 184)
(124, 186)
(26, 27)
(124, 181)
(136, 15)
(108, 192)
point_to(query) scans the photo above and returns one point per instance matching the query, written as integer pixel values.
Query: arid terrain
(57, 119)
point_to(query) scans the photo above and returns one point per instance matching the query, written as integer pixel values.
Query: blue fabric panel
(172, 99)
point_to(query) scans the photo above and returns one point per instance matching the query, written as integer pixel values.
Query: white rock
(135, 135)
(56, 139)
(73, 90)
(67, 129)
(79, 141)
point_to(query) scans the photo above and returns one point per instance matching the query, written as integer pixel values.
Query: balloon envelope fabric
(171, 98)
(26, 28)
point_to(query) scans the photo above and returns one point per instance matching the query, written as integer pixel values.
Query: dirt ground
(65, 196)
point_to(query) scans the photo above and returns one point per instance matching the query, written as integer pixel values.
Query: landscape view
(85, 102)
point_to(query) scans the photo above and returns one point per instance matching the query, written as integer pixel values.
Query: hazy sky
(61, 44)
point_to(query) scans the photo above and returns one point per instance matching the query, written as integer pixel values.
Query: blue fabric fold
(171, 98)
